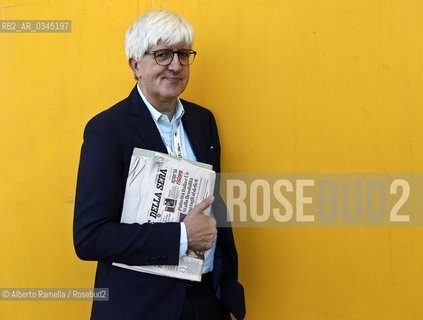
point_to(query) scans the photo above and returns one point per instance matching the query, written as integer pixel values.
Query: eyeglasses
(164, 57)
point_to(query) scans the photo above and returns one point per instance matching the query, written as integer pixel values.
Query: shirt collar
(179, 111)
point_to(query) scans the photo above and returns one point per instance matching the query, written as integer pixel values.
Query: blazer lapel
(195, 135)
(143, 123)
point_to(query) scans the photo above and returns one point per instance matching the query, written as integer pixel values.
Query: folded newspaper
(161, 188)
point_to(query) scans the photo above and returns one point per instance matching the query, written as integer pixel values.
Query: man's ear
(135, 67)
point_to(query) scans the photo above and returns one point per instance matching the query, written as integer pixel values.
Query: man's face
(162, 84)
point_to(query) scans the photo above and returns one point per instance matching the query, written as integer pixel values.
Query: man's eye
(162, 54)
(183, 54)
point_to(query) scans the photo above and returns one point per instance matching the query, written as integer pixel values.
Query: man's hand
(201, 229)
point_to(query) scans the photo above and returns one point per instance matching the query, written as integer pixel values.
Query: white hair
(154, 27)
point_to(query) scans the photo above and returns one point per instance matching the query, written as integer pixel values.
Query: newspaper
(161, 188)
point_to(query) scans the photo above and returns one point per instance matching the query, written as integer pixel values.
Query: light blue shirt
(169, 128)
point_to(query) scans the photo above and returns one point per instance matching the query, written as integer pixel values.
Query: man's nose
(175, 64)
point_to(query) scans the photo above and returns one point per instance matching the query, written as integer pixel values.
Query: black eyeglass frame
(178, 52)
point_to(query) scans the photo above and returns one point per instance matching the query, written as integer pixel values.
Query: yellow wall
(296, 86)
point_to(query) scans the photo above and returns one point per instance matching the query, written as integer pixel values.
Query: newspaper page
(161, 188)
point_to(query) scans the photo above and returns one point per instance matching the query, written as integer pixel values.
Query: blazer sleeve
(98, 233)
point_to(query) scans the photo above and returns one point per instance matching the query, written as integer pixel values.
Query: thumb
(203, 205)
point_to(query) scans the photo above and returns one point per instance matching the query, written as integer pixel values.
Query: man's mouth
(173, 79)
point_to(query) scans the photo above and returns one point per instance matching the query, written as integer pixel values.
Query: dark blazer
(109, 140)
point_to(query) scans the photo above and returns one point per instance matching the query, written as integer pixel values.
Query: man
(159, 49)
